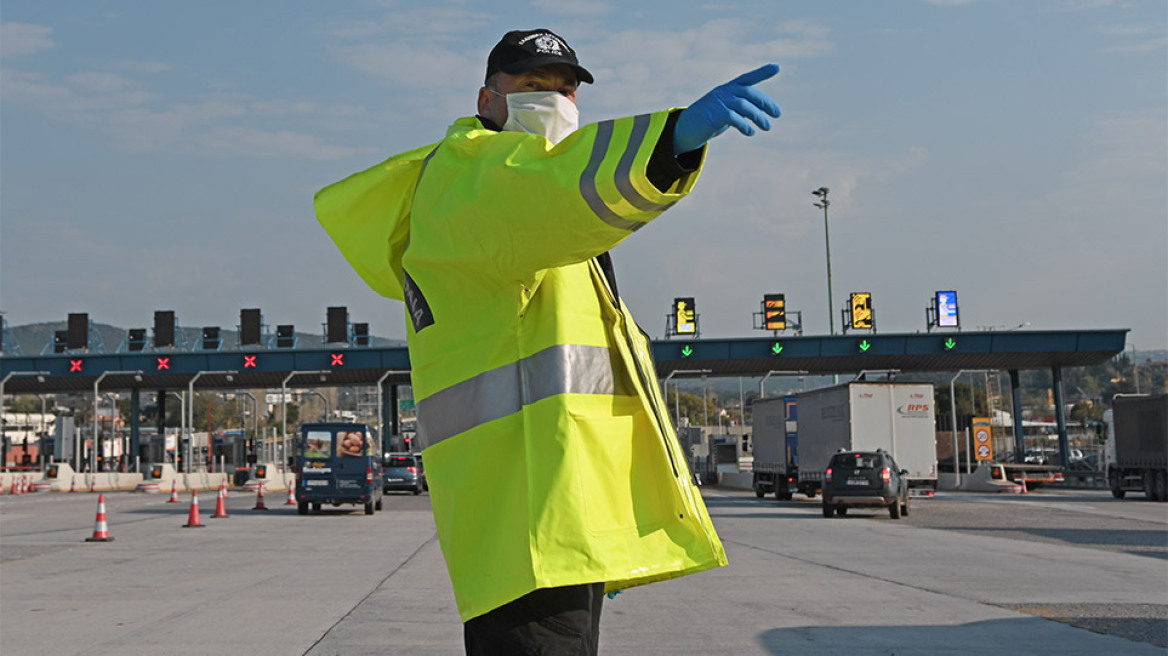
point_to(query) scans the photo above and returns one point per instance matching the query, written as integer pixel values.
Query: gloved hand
(730, 104)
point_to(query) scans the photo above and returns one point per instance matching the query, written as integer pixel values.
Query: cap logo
(545, 44)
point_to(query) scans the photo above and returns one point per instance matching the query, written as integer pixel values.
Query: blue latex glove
(730, 104)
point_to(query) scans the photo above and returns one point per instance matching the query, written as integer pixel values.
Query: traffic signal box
(684, 316)
(285, 336)
(774, 308)
(163, 328)
(250, 327)
(337, 328)
(860, 304)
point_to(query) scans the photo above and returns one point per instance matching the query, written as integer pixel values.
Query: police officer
(555, 474)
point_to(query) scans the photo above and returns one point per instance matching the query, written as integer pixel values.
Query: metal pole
(824, 203)
(705, 392)
(953, 435)
(381, 410)
(284, 412)
(327, 410)
(191, 414)
(182, 427)
(1135, 368)
(96, 384)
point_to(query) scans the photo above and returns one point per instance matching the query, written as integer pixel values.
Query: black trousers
(547, 621)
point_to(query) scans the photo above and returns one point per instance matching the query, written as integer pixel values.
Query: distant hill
(34, 337)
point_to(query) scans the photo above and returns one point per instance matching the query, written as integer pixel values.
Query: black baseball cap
(520, 51)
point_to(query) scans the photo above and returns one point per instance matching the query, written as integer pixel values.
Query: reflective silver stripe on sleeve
(500, 392)
(588, 182)
(624, 181)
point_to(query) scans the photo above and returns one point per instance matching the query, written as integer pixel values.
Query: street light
(1135, 368)
(953, 417)
(284, 406)
(4, 439)
(761, 383)
(191, 413)
(676, 392)
(327, 411)
(182, 425)
(822, 194)
(97, 383)
(255, 409)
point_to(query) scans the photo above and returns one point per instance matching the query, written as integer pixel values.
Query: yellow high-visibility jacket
(549, 453)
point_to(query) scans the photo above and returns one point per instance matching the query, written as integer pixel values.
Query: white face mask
(546, 113)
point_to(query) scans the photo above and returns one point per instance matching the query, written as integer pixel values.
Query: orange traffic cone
(221, 503)
(92, 483)
(193, 517)
(291, 495)
(260, 499)
(100, 529)
(73, 483)
(173, 491)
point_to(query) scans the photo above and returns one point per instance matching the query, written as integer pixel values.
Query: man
(555, 474)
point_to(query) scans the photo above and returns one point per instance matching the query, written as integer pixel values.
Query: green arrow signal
(950, 344)
(865, 345)
(776, 348)
(686, 351)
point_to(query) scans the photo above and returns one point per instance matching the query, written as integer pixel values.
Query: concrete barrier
(982, 480)
(737, 480)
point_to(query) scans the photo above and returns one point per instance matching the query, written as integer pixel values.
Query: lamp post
(327, 410)
(1135, 368)
(182, 425)
(284, 407)
(762, 383)
(824, 203)
(255, 410)
(953, 417)
(97, 383)
(3, 438)
(676, 392)
(191, 411)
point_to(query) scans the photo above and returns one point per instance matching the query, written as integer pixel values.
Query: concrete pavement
(343, 583)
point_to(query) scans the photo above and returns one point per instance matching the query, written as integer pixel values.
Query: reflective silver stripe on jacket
(622, 175)
(500, 392)
(624, 181)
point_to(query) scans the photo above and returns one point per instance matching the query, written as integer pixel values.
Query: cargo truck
(775, 439)
(1137, 445)
(866, 416)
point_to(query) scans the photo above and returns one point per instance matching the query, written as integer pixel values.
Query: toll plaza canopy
(342, 365)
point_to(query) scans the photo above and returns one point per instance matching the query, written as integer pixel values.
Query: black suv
(404, 471)
(864, 479)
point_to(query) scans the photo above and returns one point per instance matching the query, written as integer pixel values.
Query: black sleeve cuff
(664, 167)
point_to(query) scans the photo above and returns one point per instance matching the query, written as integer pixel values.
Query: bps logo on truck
(914, 410)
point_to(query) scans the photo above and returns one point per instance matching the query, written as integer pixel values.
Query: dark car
(864, 479)
(404, 471)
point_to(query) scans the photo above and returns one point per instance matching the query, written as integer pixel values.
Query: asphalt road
(1055, 572)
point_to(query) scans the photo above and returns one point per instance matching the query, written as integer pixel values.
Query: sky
(164, 155)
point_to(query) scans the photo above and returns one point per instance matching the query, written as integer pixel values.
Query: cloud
(18, 39)
(132, 66)
(119, 107)
(673, 67)
(577, 8)
(247, 142)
